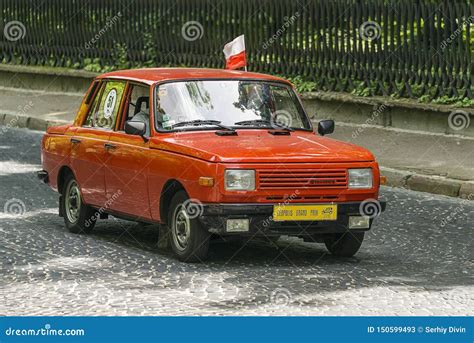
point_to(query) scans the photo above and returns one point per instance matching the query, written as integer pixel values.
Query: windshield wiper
(266, 123)
(199, 122)
(252, 122)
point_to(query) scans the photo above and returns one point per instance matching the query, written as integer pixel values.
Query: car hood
(255, 146)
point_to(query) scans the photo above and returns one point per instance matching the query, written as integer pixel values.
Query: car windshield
(202, 104)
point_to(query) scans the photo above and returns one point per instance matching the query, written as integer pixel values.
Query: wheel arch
(170, 188)
(63, 171)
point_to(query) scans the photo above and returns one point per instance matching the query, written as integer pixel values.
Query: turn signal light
(206, 181)
(383, 180)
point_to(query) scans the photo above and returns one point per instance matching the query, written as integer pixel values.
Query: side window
(92, 92)
(90, 116)
(138, 107)
(139, 101)
(104, 109)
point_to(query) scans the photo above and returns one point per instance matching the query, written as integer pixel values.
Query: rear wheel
(189, 241)
(344, 244)
(78, 217)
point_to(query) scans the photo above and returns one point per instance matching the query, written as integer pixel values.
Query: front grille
(302, 179)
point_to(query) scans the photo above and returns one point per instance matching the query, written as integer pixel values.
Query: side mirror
(326, 127)
(137, 128)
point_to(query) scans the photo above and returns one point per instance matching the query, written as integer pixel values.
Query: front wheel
(78, 217)
(189, 241)
(344, 244)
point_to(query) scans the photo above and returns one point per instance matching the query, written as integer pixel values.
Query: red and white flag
(235, 53)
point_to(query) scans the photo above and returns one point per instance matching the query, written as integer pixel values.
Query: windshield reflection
(236, 103)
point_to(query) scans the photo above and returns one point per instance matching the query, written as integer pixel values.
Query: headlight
(239, 180)
(360, 178)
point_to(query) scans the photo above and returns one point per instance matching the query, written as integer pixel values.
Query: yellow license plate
(304, 212)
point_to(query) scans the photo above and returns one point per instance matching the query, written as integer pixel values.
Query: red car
(208, 152)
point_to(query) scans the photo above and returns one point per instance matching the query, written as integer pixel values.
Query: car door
(89, 143)
(126, 174)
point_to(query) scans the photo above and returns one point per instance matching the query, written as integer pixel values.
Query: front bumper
(214, 217)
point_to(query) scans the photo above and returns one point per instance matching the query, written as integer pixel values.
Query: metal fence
(409, 48)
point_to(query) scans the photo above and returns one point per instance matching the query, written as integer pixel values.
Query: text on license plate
(304, 212)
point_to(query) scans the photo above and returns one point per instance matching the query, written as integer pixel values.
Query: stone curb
(395, 177)
(51, 71)
(428, 183)
(32, 123)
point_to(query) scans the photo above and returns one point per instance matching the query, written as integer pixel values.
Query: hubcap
(181, 228)
(73, 201)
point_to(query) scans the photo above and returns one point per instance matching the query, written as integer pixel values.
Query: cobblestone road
(417, 260)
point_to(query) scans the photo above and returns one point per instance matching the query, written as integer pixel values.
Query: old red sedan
(206, 153)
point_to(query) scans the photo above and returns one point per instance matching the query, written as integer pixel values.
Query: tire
(188, 240)
(78, 217)
(344, 244)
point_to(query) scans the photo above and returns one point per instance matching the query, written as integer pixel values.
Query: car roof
(151, 76)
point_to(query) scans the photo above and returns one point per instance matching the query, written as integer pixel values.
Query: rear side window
(105, 106)
(92, 92)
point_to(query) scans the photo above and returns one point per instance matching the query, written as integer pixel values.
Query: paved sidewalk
(443, 155)
(52, 106)
(436, 163)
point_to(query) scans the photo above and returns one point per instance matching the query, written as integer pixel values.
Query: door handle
(75, 141)
(109, 146)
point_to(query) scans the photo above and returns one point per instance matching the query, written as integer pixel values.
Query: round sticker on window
(109, 104)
